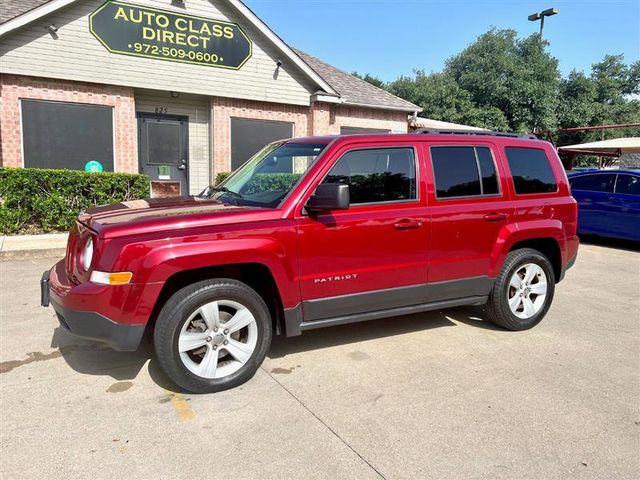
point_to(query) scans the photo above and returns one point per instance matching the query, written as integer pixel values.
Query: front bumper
(89, 324)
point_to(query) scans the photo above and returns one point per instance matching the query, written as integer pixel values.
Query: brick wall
(344, 116)
(13, 88)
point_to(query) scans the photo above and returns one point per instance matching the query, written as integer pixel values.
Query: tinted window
(488, 171)
(66, 135)
(464, 171)
(377, 175)
(628, 184)
(594, 183)
(531, 170)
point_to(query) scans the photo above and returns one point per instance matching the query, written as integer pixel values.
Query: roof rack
(432, 131)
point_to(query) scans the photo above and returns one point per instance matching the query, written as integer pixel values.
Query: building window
(360, 131)
(248, 136)
(464, 172)
(531, 170)
(66, 135)
(377, 175)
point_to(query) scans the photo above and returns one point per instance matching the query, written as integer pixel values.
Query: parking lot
(432, 395)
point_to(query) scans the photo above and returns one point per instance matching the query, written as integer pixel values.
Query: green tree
(441, 98)
(516, 76)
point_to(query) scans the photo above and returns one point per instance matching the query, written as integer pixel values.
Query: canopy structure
(605, 148)
(420, 122)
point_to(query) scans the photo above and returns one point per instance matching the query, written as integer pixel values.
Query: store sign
(151, 33)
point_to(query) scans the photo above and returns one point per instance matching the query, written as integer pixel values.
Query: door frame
(184, 138)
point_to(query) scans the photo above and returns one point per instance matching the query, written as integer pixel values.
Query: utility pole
(534, 17)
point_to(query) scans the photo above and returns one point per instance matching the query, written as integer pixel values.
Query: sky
(391, 38)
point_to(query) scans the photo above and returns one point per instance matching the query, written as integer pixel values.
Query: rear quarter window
(531, 170)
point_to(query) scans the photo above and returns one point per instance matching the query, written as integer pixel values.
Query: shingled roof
(11, 8)
(354, 90)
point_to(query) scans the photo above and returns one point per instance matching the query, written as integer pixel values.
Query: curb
(12, 255)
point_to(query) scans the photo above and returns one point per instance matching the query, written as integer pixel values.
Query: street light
(534, 17)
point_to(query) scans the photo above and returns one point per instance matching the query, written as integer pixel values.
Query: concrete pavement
(434, 395)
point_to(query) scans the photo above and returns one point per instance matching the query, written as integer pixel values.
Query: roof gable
(355, 91)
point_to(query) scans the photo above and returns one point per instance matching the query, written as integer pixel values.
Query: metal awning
(421, 122)
(607, 148)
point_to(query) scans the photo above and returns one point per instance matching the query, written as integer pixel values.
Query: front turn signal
(106, 278)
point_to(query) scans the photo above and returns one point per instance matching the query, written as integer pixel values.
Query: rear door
(372, 256)
(469, 208)
(627, 198)
(596, 205)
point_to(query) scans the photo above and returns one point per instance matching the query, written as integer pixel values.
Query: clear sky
(392, 37)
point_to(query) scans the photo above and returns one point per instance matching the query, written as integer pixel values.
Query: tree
(441, 98)
(516, 76)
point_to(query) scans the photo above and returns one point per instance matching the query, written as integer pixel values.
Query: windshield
(267, 178)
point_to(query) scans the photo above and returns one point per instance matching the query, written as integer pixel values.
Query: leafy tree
(442, 99)
(516, 76)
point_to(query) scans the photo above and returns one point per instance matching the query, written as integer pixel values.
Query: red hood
(157, 214)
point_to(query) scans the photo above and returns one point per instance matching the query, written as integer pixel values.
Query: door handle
(495, 217)
(406, 224)
(183, 166)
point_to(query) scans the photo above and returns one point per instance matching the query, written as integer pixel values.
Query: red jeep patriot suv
(316, 232)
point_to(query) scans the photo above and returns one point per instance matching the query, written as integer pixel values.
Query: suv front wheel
(523, 292)
(212, 335)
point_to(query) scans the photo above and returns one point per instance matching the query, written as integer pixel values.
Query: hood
(158, 214)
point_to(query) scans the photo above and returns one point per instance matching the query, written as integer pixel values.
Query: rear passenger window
(531, 170)
(377, 175)
(593, 183)
(464, 172)
(628, 184)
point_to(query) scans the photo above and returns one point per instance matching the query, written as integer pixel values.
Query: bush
(34, 200)
(221, 177)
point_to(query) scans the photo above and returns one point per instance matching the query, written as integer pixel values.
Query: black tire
(497, 307)
(177, 311)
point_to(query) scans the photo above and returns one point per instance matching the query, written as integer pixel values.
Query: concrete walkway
(16, 247)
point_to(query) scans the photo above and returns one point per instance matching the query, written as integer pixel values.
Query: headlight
(87, 255)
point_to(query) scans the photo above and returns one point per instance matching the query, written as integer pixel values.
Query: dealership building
(179, 90)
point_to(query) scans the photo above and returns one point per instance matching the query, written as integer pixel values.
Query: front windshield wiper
(211, 189)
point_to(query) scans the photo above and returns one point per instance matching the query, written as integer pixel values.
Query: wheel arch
(547, 246)
(258, 276)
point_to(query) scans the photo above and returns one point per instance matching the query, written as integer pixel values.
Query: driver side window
(377, 175)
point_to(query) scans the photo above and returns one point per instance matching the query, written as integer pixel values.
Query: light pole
(534, 17)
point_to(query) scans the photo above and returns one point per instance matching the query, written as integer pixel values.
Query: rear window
(628, 184)
(593, 183)
(531, 170)
(464, 172)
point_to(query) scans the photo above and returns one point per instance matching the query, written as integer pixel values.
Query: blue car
(608, 202)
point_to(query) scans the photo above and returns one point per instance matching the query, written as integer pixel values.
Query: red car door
(372, 256)
(469, 208)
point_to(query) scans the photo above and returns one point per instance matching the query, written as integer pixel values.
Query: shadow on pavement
(91, 358)
(628, 245)
(374, 329)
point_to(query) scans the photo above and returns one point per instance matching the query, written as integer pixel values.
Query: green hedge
(221, 177)
(34, 200)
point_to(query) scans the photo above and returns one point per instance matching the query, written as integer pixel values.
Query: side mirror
(329, 196)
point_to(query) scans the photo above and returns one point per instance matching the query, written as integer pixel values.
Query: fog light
(106, 278)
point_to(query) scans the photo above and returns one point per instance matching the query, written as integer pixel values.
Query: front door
(164, 153)
(372, 256)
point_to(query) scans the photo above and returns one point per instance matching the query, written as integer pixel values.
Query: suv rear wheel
(213, 335)
(523, 292)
